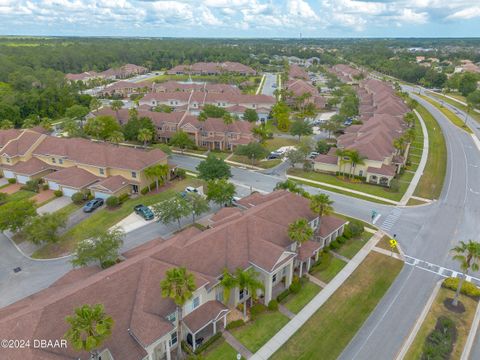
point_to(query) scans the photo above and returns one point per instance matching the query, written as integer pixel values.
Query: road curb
(471, 335)
(418, 324)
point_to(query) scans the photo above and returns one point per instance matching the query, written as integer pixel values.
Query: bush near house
(235, 324)
(283, 295)
(123, 197)
(295, 286)
(353, 228)
(273, 305)
(58, 193)
(31, 185)
(468, 288)
(256, 310)
(12, 181)
(78, 198)
(112, 202)
(208, 343)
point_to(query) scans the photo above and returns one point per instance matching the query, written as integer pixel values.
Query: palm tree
(228, 282)
(145, 135)
(178, 285)
(116, 105)
(300, 231)
(468, 255)
(116, 137)
(95, 127)
(6, 124)
(344, 155)
(355, 159)
(227, 120)
(157, 172)
(95, 104)
(89, 328)
(247, 280)
(260, 132)
(321, 205)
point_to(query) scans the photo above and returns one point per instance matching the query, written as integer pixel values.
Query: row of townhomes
(212, 68)
(382, 115)
(121, 72)
(300, 87)
(73, 164)
(253, 236)
(211, 134)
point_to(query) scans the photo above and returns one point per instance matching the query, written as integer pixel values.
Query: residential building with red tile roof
(297, 72)
(121, 72)
(210, 68)
(146, 323)
(300, 87)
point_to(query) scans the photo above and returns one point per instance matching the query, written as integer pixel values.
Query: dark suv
(92, 205)
(144, 212)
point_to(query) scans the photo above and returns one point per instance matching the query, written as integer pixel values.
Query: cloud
(468, 13)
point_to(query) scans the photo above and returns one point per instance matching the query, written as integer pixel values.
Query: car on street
(144, 211)
(92, 205)
(191, 189)
(274, 155)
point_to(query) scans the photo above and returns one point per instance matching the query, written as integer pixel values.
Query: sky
(241, 18)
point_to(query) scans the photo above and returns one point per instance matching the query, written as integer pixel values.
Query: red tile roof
(204, 314)
(72, 177)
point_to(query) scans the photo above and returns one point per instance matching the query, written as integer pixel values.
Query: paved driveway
(10, 189)
(3, 181)
(54, 205)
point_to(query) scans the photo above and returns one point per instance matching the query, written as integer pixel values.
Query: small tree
(322, 147)
(14, 214)
(145, 135)
(178, 285)
(247, 280)
(254, 151)
(301, 128)
(116, 137)
(300, 231)
(220, 191)
(468, 255)
(228, 282)
(158, 172)
(198, 205)
(181, 140)
(44, 228)
(171, 210)
(295, 157)
(250, 115)
(90, 326)
(213, 168)
(102, 248)
(321, 205)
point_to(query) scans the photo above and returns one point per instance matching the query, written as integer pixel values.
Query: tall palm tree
(321, 205)
(228, 283)
(116, 137)
(89, 328)
(468, 255)
(247, 280)
(300, 231)
(158, 172)
(145, 135)
(355, 159)
(178, 285)
(116, 105)
(344, 155)
(227, 120)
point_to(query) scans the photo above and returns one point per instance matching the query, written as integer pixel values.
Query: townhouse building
(122, 72)
(300, 87)
(212, 68)
(73, 164)
(146, 323)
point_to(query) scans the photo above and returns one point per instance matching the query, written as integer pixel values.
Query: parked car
(144, 212)
(191, 189)
(92, 205)
(312, 155)
(274, 155)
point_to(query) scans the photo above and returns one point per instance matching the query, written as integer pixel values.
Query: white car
(191, 189)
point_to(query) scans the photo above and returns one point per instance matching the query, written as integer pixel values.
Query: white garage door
(52, 185)
(101, 195)
(8, 174)
(21, 179)
(68, 191)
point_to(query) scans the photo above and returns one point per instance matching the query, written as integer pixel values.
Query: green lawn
(454, 119)
(352, 246)
(332, 327)
(264, 164)
(220, 350)
(326, 275)
(296, 302)
(278, 142)
(384, 243)
(103, 219)
(69, 209)
(371, 189)
(19, 196)
(472, 114)
(431, 183)
(256, 333)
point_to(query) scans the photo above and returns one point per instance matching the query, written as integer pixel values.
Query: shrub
(123, 197)
(295, 285)
(90, 196)
(341, 239)
(273, 305)
(186, 348)
(181, 173)
(45, 187)
(468, 288)
(439, 343)
(334, 245)
(256, 310)
(283, 295)
(144, 191)
(12, 181)
(58, 193)
(208, 343)
(31, 185)
(78, 197)
(394, 185)
(307, 166)
(353, 228)
(235, 324)
(112, 201)
(323, 261)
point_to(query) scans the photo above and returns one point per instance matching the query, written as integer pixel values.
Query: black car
(144, 212)
(92, 205)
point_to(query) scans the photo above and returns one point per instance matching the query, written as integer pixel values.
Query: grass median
(332, 327)
(473, 114)
(431, 183)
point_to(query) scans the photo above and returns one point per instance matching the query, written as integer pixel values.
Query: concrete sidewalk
(280, 338)
(421, 167)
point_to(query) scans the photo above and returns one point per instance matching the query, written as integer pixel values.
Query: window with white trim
(173, 339)
(102, 171)
(196, 302)
(172, 317)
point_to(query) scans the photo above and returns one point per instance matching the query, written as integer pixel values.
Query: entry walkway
(280, 338)
(237, 345)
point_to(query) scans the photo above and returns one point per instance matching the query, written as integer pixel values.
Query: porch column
(224, 321)
(194, 345)
(268, 289)
(309, 261)
(289, 275)
(214, 327)
(167, 348)
(316, 255)
(300, 270)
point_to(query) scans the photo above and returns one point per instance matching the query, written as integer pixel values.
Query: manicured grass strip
(264, 164)
(473, 114)
(278, 142)
(331, 328)
(326, 275)
(256, 333)
(384, 243)
(350, 248)
(221, 350)
(296, 302)
(431, 183)
(68, 210)
(19, 196)
(462, 321)
(449, 114)
(104, 219)
(371, 189)
(412, 202)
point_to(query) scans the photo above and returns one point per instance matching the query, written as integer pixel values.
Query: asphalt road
(270, 81)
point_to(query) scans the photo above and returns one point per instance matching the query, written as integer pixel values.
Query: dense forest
(32, 83)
